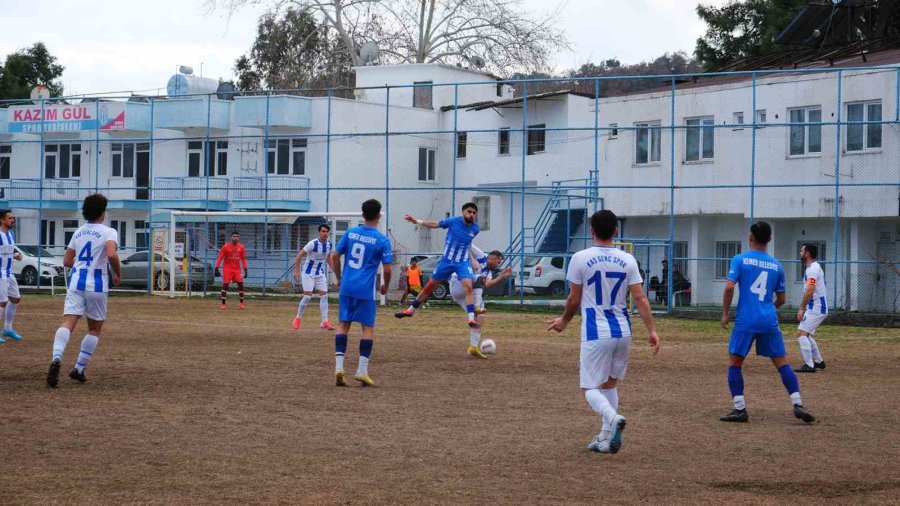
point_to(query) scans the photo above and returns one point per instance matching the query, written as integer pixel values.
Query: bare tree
(501, 32)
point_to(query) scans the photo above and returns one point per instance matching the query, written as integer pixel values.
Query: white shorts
(811, 322)
(603, 359)
(458, 293)
(9, 287)
(313, 283)
(90, 304)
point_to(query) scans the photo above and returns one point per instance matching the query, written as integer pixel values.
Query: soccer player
(90, 254)
(761, 281)
(9, 287)
(232, 256)
(413, 280)
(315, 275)
(364, 248)
(460, 232)
(484, 265)
(595, 277)
(813, 309)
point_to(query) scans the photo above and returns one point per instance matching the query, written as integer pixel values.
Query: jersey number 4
(357, 251)
(759, 286)
(85, 254)
(597, 281)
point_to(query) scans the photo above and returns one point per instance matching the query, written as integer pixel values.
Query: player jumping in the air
(364, 248)
(483, 265)
(232, 257)
(813, 309)
(89, 255)
(315, 275)
(9, 287)
(761, 281)
(460, 232)
(595, 277)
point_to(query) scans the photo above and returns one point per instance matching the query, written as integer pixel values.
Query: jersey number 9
(356, 255)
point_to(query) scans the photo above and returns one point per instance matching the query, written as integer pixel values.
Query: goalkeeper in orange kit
(232, 257)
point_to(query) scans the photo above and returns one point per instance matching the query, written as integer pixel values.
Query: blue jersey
(459, 238)
(759, 277)
(364, 249)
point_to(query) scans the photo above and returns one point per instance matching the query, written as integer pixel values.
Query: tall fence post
(96, 151)
(148, 225)
(327, 155)
(387, 162)
(670, 248)
(455, 146)
(595, 177)
(522, 194)
(753, 152)
(265, 245)
(42, 163)
(837, 187)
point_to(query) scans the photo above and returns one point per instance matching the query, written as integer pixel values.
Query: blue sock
(415, 303)
(735, 381)
(340, 344)
(789, 379)
(365, 347)
(470, 308)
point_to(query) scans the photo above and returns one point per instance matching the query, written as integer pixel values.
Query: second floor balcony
(63, 194)
(273, 193)
(190, 193)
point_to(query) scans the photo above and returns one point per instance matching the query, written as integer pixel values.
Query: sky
(136, 46)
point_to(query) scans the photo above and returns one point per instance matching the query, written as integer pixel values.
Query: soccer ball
(488, 347)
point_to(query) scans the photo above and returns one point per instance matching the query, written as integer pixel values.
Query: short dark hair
(235, 232)
(413, 259)
(468, 205)
(94, 206)
(3, 213)
(325, 226)
(496, 253)
(604, 224)
(762, 232)
(371, 209)
(810, 248)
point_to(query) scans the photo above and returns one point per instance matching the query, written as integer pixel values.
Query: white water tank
(181, 84)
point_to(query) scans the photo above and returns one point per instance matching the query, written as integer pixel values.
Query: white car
(26, 270)
(544, 275)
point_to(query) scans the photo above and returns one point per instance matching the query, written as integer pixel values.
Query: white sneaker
(599, 445)
(615, 437)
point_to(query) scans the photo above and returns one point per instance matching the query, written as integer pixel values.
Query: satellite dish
(186, 69)
(225, 91)
(477, 61)
(369, 52)
(39, 93)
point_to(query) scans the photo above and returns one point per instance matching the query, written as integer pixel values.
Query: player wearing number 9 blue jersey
(760, 279)
(89, 255)
(364, 249)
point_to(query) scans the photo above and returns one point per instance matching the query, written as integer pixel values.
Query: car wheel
(162, 281)
(29, 276)
(557, 288)
(441, 292)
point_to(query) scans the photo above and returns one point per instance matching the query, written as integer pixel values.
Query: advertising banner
(34, 119)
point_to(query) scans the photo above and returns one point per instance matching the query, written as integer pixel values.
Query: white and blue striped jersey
(815, 275)
(605, 274)
(7, 250)
(481, 258)
(317, 257)
(89, 274)
(459, 238)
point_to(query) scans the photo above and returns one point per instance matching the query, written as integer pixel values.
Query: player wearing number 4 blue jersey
(600, 279)
(89, 255)
(760, 279)
(364, 249)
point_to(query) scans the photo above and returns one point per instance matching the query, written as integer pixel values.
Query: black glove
(218, 274)
(245, 272)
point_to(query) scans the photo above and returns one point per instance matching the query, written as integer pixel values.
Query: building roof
(490, 104)
(442, 65)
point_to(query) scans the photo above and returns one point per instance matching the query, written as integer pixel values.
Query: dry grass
(190, 404)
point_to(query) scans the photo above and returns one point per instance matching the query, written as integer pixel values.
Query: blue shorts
(351, 309)
(446, 269)
(768, 344)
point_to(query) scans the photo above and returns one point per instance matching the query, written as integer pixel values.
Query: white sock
(411, 309)
(10, 314)
(474, 338)
(323, 307)
(612, 395)
(817, 357)
(88, 346)
(600, 404)
(363, 368)
(739, 402)
(806, 350)
(303, 303)
(795, 398)
(471, 316)
(338, 362)
(60, 340)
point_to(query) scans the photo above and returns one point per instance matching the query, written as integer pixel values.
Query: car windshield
(429, 263)
(532, 261)
(33, 251)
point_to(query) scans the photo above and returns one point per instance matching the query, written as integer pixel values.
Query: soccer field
(186, 403)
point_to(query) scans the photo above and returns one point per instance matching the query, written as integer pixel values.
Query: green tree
(27, 68)
(743, 28)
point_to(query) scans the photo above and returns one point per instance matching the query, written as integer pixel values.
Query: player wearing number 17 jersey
(760, 279)
(600, 279)
(89, 255)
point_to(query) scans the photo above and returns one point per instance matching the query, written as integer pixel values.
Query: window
(738, 120)
(5, 161)
(215, 156)
(558, 262)
(725, 251)
(124, 157)
(62, 161)
(680, 250)
(426, 164)
(503, 141)
(69, 228)
(537, 137)
(122, 228)
(646, 143)
(801, 268)
(422, 92)
(699, 139)
(48, 233)
(287, 156)
(484, 211)
(340, 227)
(461, 138)
(274, 236)
(760, 118)
(141, 234)
(499, 89)
(805, 140)
(613, 131)
(864, 136)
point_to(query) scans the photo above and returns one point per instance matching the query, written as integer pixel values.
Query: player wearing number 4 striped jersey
(89, 255)
(761, 281)
(813, 309)
(9, 288)
(600, 279)
(315, 275)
